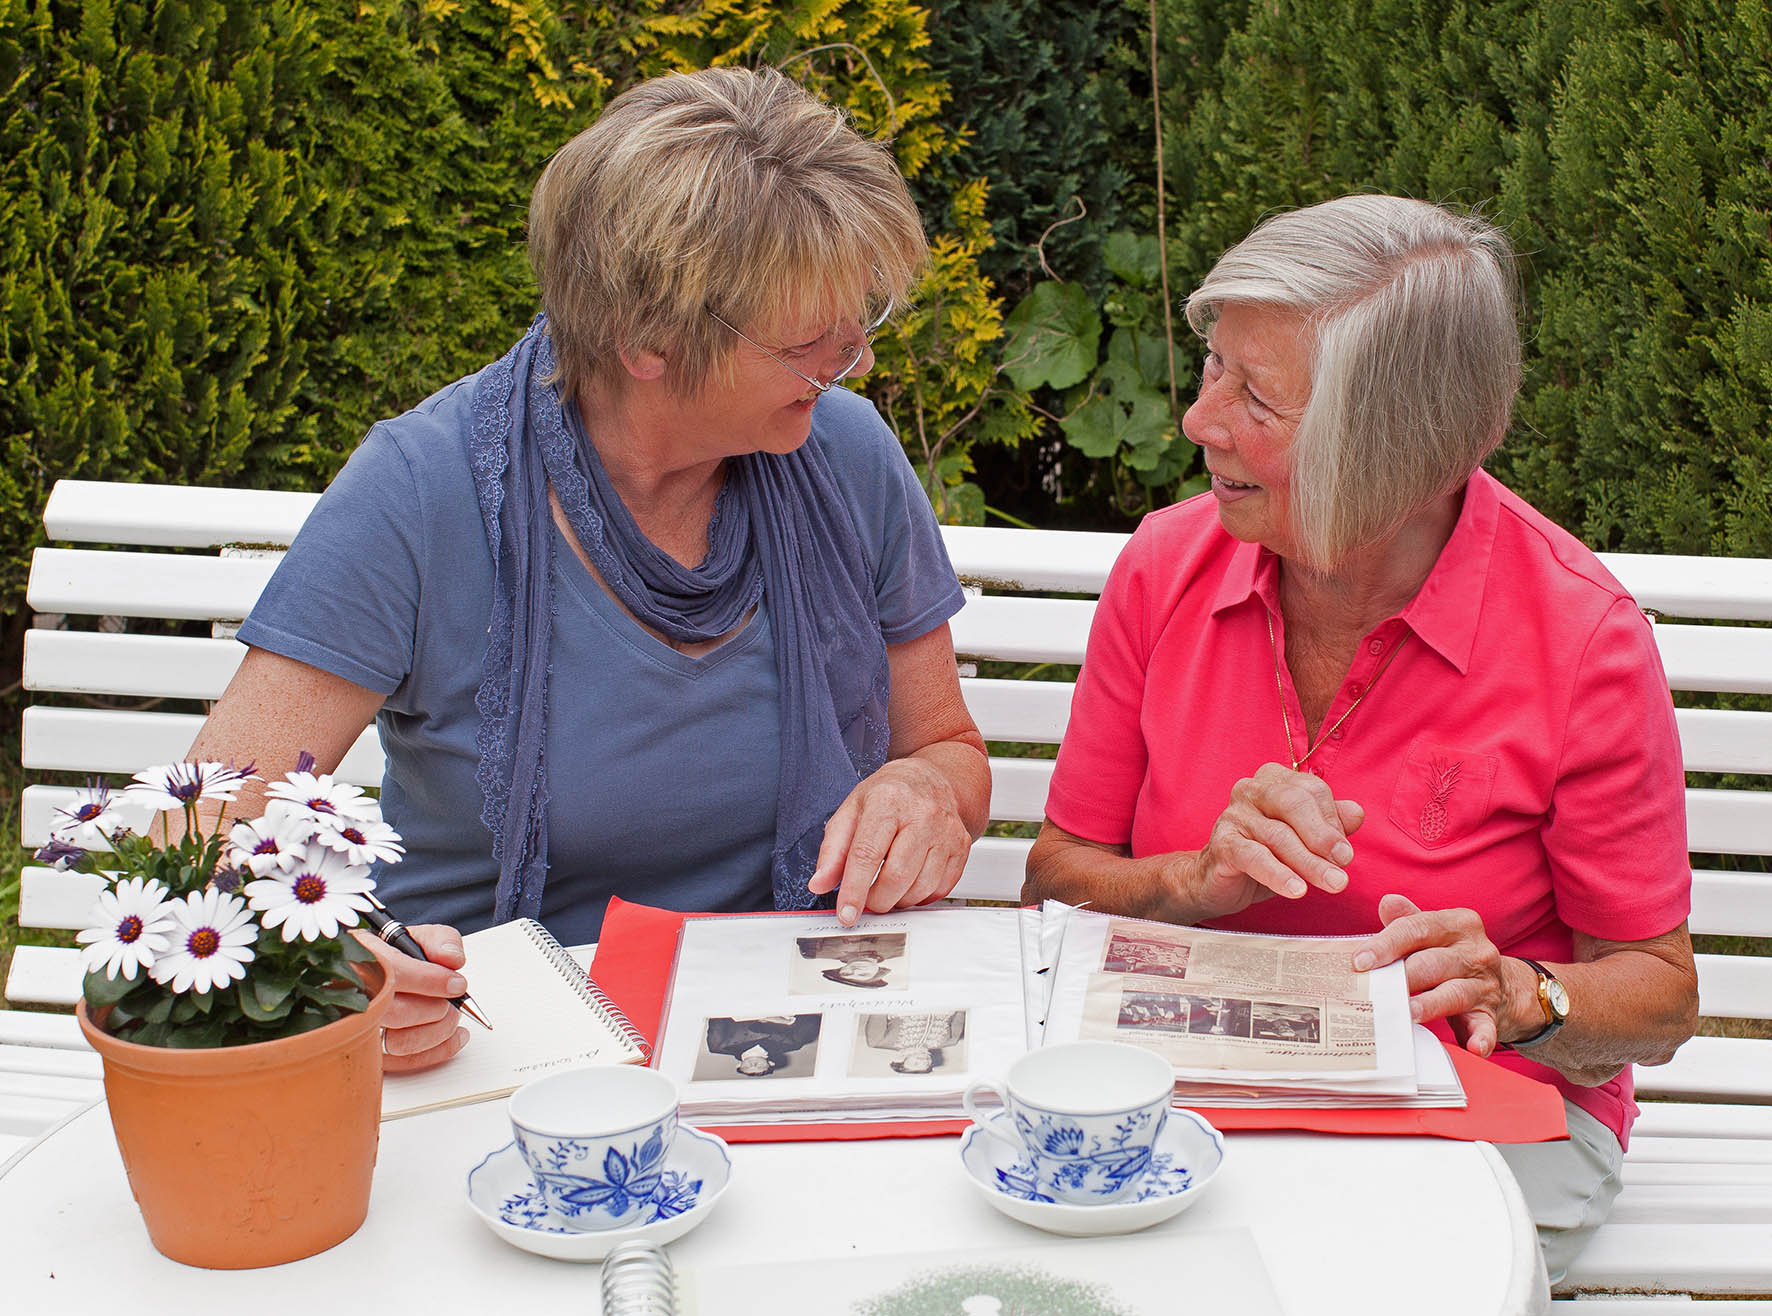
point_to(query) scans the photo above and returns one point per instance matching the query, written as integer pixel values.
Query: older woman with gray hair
(628, 603)
(1359, 687)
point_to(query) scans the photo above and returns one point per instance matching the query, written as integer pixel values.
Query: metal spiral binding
(638, 1281)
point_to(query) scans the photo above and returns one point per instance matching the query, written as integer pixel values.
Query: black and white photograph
(910, 1044)
(769, 1046)
(859, 962)
(1137, 955)
(1288, 1023)
(1162, 1012)
(1217, 1016)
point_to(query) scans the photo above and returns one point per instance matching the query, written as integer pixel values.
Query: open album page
(1230, 1007)
(776, 1017)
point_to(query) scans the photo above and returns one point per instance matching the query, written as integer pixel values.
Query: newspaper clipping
(1225, 1001)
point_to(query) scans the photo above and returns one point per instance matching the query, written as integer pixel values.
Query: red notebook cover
(639, 945)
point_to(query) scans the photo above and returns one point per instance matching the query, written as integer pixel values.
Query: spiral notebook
(547, 1013)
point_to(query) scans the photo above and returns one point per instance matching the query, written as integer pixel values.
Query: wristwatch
(1553, 999)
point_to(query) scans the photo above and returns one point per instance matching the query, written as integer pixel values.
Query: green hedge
(242, 230)
(1624, 145)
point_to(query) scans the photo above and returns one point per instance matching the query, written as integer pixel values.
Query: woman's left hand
(1454, 971)
(898, 840)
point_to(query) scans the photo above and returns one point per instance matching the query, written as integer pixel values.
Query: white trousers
(1569, 1186)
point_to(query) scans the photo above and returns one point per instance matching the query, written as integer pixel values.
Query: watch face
(1558, 995)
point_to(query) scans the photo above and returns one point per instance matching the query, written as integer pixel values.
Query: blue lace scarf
(781, 531)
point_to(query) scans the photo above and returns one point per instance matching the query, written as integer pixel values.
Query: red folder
(639, 946)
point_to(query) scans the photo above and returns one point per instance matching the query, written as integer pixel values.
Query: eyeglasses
(849, 357)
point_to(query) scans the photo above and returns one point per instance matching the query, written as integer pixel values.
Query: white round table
(1342, 1224)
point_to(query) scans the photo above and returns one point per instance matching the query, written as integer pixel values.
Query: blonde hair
(1412, 313)
(729, 190)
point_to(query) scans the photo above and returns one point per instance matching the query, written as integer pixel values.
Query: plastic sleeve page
(1233, 1006)
(784, 1010)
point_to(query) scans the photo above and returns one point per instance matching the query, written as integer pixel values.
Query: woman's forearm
(1630, 1003)
(1063, 866)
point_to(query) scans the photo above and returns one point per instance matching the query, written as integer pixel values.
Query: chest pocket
(1442, 793)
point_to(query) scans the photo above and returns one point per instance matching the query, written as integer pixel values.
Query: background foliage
(239, 232)
(1622, 144)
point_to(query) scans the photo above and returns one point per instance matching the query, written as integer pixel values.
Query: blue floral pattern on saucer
(1186, 1158)
(693, 1175)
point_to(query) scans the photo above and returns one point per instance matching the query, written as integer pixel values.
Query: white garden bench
(1695, 1215)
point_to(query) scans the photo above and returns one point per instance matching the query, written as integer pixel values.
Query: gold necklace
(1280, 688)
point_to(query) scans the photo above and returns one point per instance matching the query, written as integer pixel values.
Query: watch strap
(1552, 1025)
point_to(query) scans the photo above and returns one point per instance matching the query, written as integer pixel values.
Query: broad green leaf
(1054, 336)
(1094, 428)
(1133, 257)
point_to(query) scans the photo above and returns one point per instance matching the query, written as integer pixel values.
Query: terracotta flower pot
(253, 1155)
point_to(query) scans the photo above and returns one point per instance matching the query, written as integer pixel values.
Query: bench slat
(1706, 1258)
(1735, 589)
(1034, 712)
(40, 1029)
(1711, 1069)
(1674, 1120)
(84, 581)
(48, 899)
(44, 975)
(172, 516)
(148, 666)
(1735, 986)
(1022, 630)
(124, 741)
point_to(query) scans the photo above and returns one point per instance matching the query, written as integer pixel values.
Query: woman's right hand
(1282, 833)
(422, 1028)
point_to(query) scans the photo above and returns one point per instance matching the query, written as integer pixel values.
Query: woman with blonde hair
(1360, 687)
(651, 605)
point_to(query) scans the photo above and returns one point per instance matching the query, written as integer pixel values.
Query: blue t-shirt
(662, 768)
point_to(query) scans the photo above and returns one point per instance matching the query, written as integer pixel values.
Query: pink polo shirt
(1518, 757)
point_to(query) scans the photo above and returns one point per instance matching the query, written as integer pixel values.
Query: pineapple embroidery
(1442, 781)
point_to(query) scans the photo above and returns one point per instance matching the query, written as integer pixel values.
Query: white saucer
(503, 1195)
(1187, 1156)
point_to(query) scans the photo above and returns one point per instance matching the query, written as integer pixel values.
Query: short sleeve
(1102, 762)
(1615, 838)
(345, 597)
(914, 583)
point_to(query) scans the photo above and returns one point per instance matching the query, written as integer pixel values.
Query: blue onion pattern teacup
(596, 1141)
(1086, 1115)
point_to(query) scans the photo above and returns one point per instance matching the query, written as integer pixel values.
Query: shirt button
(1375, 648)
(1335, 734)
(1356, 689)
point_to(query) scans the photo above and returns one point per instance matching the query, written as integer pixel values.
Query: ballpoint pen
(393, 931)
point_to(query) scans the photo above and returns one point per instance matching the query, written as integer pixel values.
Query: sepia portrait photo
(768, 1046)
(911, 1043)
(859, 962)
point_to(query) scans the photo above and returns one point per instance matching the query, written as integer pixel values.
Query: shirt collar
(1443, 612)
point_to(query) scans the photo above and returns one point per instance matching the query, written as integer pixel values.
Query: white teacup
(1085, 1116)
(596, 1141)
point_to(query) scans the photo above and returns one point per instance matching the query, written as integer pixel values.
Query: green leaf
(1054, 337)
(100, 991)
(1094, 428)
(1133, 257)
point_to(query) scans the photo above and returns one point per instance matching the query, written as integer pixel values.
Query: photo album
(778, 1019)
(800, 1017)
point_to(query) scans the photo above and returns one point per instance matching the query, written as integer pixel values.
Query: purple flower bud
(226, 880)
(305, 762)
(59, 854)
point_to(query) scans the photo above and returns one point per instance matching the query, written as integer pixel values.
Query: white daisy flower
(311, 902)
(360, 840)
(92, 822)
(212, 939)
(131, 926)
(261, 846)
(320, 796)
(180, 785)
